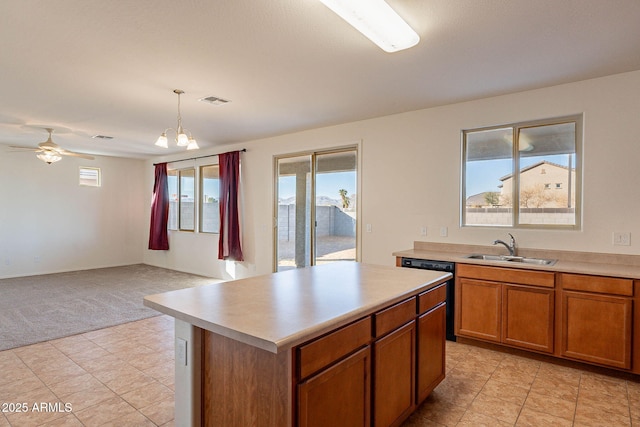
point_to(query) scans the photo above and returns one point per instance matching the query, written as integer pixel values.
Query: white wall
(49, 223)
(410, 179)
(411, 176)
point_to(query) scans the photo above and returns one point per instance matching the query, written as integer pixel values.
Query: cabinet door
(527, 317)
(478, 309)
(596, 328)
(338, 395)
(431, 351)
(394, 377)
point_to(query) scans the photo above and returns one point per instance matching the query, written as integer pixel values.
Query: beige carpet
(40, 308)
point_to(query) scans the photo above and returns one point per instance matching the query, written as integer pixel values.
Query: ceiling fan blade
(51, 148)
(13, 147)
(71, 153)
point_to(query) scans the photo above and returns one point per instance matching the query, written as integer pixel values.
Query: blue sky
(327, 184)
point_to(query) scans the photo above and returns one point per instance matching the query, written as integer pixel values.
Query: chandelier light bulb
(193, 145)
(183, 140)
(162, 141)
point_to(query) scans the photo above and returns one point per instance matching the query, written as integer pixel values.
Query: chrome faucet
(511, 246)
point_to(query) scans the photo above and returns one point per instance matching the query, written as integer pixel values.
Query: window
(316, 207)
(507, 169)
(90, 177)
(181, 183)
(209, 198)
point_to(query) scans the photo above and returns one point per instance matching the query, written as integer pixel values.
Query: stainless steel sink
(508, 258)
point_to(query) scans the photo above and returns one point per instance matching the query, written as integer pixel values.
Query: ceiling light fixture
(182, 140)
(49, 157)
(377, 21)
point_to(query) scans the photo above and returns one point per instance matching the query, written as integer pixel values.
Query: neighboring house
(542, 185)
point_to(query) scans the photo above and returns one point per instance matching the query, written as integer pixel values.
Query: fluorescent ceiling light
(377, 21)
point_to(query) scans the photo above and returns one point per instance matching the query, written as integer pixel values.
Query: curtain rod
(244, 150)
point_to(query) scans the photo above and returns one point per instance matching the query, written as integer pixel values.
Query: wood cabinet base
(244, 385)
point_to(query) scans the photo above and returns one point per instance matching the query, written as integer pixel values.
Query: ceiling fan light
(193, 145)
(377, 21)
(162, 141)
(49, 157)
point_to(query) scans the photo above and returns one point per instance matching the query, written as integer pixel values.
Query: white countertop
(280, 310)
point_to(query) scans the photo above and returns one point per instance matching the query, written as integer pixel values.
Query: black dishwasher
(449, 267)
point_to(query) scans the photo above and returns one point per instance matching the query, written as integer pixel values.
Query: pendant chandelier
(182, 140)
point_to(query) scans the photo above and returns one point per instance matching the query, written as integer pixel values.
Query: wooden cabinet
(478, 309)
(341, 361)
(338, 395)
(431, 332)
(394, 364)
(596, 315)
(528, 317)
(505, 305)
(394, 376)
(375, 371)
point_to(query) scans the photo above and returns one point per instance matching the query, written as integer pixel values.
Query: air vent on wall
(101, 137)
(214, 100)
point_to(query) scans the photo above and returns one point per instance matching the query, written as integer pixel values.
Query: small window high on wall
(508, 171)
(90, 177)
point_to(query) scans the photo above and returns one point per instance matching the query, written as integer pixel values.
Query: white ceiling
(88, 67)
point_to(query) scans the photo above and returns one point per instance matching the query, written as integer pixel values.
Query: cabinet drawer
(598, 284)
(326, 350)
(507, 275)
(395, 316)
(431, 298)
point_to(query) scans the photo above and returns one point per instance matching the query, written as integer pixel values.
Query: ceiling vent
(214, 100)
(101, 137)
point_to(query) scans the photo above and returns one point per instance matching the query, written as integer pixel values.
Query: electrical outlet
(621, 238)
(368, 228)
(423, 231)
(181, 351)
(443, 231)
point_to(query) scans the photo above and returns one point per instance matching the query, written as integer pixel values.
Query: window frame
(97, 182)
(177, 172)
(201, 195)
(578, 120)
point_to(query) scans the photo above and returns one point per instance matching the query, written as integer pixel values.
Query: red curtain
(158, 236)
(229, 245)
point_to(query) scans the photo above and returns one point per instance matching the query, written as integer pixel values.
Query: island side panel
(188, 372)
(243, 385)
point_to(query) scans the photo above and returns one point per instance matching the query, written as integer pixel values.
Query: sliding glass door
(316, 208)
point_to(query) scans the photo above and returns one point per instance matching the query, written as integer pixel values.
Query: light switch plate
(621, 238)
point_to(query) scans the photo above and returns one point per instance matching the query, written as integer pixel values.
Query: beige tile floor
(118, 376)
(488, 388)
(123, 376)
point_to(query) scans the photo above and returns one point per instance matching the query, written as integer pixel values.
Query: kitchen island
(363, 344)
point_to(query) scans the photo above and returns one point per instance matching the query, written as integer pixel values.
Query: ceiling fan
(50, 152)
